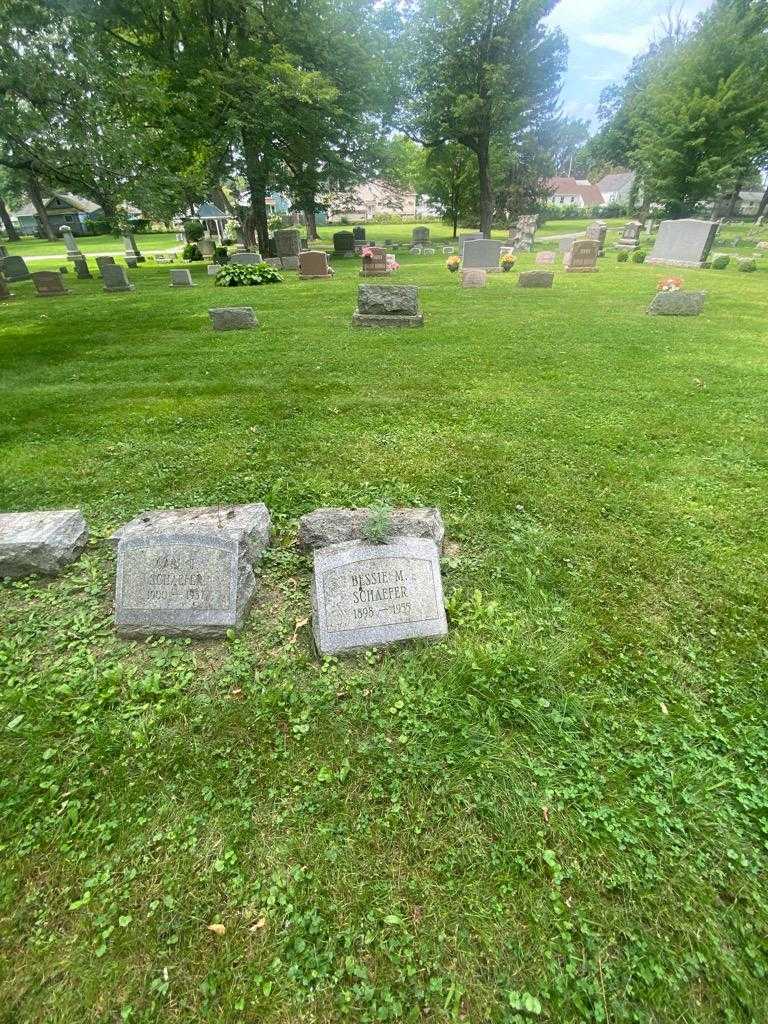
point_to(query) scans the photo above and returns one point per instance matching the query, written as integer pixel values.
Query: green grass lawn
(557, 813)
(154, 242)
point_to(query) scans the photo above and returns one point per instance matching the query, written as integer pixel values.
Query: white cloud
(625, 43)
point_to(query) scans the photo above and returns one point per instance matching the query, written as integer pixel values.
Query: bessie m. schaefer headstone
(366, 595)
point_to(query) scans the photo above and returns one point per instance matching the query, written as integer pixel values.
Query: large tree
(484, 71)
(449, 181)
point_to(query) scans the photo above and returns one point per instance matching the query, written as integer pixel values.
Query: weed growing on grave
(378, 526)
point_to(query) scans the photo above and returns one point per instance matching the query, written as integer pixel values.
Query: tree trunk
(5, 217)
(36, 198)
(309, 216)
(763, 205)
(486, 189)
(733, 201)
(455, 221)
(219, 196)
(257, 175)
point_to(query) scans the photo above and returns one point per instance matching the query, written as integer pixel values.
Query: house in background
(62, 208)
(573, 192)
(616, 188)
(366, 201)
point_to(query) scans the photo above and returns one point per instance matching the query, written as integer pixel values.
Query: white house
(616, 188)
(573, 192)
(363, 202)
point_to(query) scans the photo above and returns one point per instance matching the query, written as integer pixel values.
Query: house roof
(751, 197)
(64, 199)
(565, 186)
(616, 182)
(209, 211)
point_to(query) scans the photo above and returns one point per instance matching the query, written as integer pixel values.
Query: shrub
(191, 253)
(622, 257)
(721, 261)
(746, 265)
(194, 230)
(638, 256)
(98, 226)
(234, 275)
(387, 218)
(220, 254)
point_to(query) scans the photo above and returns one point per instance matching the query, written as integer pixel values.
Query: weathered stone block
(679, 303)
(326, 526)
(232, 318)
(40, 542)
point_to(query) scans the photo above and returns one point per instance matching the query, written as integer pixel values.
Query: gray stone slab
(482, 254)
(463, 239)
(213, 269)
(13, 269)
(683, 243)
(115, 279)
(250, 524)
(536, 279)
(544, 258)
(188, 584)
(376, 299)
(287, 242)
(473, 278)
(188, 572)
(567, 241)
(246, 258)
(104, 261)
(181, 279)
(5, 292)
(232, 318)
(289, 262)
(81, 269)
(327, 526)
(48, 283)
(395, 320)
(679, 303)
(420, 236)
(73, 252)
(40, 542)
(366, 595)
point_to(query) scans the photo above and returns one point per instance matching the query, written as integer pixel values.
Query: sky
(603, 37)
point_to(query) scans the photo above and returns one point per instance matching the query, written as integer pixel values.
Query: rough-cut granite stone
(232, 318)
(679, 303)
(366, 595)
(387, 306)
(326, 526)
(40, 542)
(188, 572)
(536, 279)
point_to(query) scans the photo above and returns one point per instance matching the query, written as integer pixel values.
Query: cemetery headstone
(344, 244)
(387, 306)
(206, 247)
(81, 269)
(630, 236)
(188, 572)
(63, 270)
(213, 269)
(131, 249)
(567, 241)
(48, 283)
(288, 262)
(544, 258)
(313, 264)
(358, 233)
(3, 251)
(582, 257)
(181, 279)
(482, 254)
(375, 265)
(463, 239)
(677, 303)
(287, 244)
(683, 243)
(246, 258)
(650, 226)
(420, 236)
(596, 232)
(104, 261)
(326, 526)
(13, 269)
(115, 279)
(232, 318)
(367, 595)
(40, 542)
(131, 262)
(72, 249)
(536, 279)
(5, 292)
(473, 278)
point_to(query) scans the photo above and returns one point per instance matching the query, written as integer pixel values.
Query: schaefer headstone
(188, 572)
(40, 542)
(683, 243)
(366, 595)
(387, 306)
